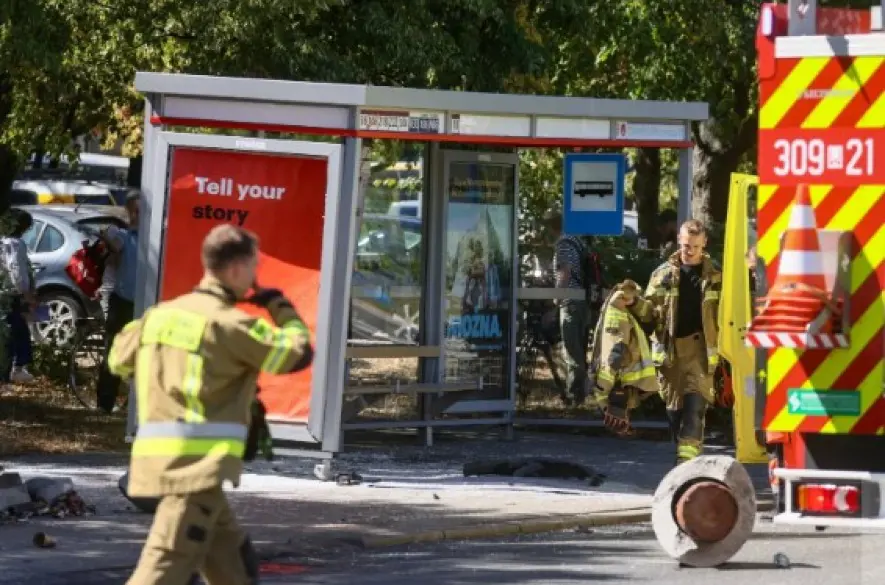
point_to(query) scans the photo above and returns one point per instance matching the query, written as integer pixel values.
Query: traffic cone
(799, 292)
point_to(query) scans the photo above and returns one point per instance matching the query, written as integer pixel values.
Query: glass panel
(479, 279)
(30, 236)
(387, 281)
(51, 240)
(754, 264)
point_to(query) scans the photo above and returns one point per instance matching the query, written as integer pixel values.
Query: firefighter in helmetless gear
(622, 372)
(195, 360)
(682, 302)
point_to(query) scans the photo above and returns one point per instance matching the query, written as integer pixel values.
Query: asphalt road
(614, 556)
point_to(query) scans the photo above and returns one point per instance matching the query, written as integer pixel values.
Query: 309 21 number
(814, 157)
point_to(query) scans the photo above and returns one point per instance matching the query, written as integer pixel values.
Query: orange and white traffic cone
(799, 292)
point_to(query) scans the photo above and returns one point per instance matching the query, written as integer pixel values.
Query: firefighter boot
(690, 441)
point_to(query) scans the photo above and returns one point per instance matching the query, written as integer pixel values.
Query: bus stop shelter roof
(394, 112)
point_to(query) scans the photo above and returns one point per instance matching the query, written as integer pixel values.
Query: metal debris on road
(43, 540)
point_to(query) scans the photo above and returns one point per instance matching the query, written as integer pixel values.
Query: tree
(677, 50)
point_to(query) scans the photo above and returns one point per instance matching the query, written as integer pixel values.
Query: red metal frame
(459, 138)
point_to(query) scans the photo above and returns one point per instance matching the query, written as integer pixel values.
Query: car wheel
(64, 311)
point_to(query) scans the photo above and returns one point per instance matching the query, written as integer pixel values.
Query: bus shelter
(288, 160)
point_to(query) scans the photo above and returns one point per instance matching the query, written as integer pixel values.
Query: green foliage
(52, 361)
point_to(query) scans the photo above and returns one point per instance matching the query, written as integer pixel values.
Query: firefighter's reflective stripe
(685, 452)
(174, 439)
(206, 430)
(642, 369)
(190, 388)
(280, 340)
(142, 382)
(713, 356)
(115, 366)
(711, 295)
(174, 328)
(182, 330)
(614, 317)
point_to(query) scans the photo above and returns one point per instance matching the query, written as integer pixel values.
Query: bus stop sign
(593, 186)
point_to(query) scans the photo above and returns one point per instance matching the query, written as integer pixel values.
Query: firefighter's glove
(258, 439)
(265, 296)
(628, 290)
(659, 355)
(617, 415)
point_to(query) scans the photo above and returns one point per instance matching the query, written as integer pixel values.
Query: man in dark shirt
(688, 318)
(682, 302)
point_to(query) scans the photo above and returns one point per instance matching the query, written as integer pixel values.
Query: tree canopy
(67, 66)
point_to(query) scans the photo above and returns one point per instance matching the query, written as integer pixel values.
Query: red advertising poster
(282, 199)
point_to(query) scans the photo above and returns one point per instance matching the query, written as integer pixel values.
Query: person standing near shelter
(682, 302)
(574, 313)
(196, 359)
(667, 232)
(20, 287)
(123, 244)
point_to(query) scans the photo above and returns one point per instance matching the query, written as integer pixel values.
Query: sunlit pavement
(616, 555)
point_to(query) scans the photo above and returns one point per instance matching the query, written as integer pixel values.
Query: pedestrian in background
(19, 287)
(574, 313)
(667, 232)
(123, 245)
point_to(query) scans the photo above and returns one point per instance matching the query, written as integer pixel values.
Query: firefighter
(682, 303)
(621, 368)
(195, 360)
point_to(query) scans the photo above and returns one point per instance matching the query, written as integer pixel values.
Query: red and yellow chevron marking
(840, 103)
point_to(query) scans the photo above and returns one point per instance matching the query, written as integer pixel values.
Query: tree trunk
(647, 190)
(713, 162)
(9, 163)
(711, 181)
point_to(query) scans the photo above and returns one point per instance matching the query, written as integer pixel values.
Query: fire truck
(803, 306)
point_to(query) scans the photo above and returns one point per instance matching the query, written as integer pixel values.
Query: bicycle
(85, 361)
(537, 337)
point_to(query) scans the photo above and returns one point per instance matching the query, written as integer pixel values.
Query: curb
(531, 526)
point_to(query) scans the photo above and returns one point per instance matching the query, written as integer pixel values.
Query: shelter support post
(339, 315)
(685, 178)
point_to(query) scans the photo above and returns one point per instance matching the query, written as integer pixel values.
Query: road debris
(40, 496)
(43, 540)
(541, 468)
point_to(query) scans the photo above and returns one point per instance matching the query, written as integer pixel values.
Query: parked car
(57, 232)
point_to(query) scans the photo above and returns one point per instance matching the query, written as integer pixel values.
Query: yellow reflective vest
(196, 360)
(620, 354)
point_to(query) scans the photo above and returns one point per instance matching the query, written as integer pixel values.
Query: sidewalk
(409, 494)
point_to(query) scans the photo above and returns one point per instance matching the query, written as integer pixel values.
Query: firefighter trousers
(687, 390)
(196, 533)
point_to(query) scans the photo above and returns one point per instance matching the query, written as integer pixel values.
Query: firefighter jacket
(658, 306)
(620, 354)
(196, 360)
